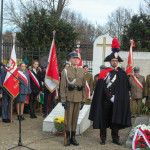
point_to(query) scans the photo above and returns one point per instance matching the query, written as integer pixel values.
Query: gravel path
(34, 137)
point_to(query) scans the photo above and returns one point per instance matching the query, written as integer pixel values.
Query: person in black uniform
(111, 103)
(36, 86)
(47, 95)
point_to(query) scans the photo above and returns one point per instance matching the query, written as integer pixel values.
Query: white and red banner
(79, 59)
(138, 134)
(23, 77)
(88, 90)
(34, 78)
(130, 58)
(137, 82)
(52, 75)
(11, 84)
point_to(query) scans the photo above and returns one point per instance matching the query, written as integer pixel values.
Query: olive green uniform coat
(75, 97)
(137, 95)
(147, 91)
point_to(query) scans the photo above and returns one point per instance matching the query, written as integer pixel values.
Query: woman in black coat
(36, 86)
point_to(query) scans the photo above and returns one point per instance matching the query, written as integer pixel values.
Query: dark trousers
(107, 122)
(0, 107)
(32, 103)
(46, 97)
(6, 106)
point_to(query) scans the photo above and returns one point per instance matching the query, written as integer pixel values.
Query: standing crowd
(30, 88)
(114, 96)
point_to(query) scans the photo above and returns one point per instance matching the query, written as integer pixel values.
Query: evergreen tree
(139, 31)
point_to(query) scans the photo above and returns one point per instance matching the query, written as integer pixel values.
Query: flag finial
(54, 32)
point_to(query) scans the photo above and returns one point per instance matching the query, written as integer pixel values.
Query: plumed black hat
(115, 50)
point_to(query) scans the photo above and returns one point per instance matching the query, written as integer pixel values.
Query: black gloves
(82, 104)
(64, 104)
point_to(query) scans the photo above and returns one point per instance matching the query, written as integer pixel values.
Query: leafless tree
(87, 31)
(16, 10)
(117, 21)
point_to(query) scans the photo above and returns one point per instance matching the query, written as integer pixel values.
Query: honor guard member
(111, 103)
(137, 92)
(72, 91)
(147, 93)
(102, 67)
(89, 79)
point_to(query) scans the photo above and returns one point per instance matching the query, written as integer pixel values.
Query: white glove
(112, 98)
(144, 100)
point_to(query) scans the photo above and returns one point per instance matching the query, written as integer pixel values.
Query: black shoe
(44, 115)
(8, 120)
(22, 118)
(117, 142)
(5, 120)
(73, 140)
(102, 142)
(34, 116)
(31, 116)
(68, 138)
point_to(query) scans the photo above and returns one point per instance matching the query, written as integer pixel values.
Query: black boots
(102, 142)
(68, 138)
(117, 142)
(73, 140)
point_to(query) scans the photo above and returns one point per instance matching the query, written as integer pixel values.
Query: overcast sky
(98, 10)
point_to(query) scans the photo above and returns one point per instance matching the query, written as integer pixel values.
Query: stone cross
(104, 45)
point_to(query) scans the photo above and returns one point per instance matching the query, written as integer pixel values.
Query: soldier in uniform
(147, 93)
(96, 76)
(111, 104)
(137, 91)
(89, 79)
(72, 91)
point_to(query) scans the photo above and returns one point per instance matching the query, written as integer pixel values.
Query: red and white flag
(52, 75)
(79, 58)
(130, 58)
(88, 90)
(11, 84)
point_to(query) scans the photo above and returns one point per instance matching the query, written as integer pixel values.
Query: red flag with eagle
(52, 75)
(11, 84)
(79, 58)
(130, 58)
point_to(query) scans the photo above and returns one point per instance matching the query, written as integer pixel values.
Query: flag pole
(14, 35)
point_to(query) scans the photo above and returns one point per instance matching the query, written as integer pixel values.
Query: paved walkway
(34, 137)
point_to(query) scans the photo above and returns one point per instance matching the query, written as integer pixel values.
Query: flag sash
(88, 90)
(23, 77)
(137, 82)
(34, 78)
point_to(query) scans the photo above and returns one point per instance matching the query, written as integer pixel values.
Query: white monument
(83, 121)
(101, 48)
